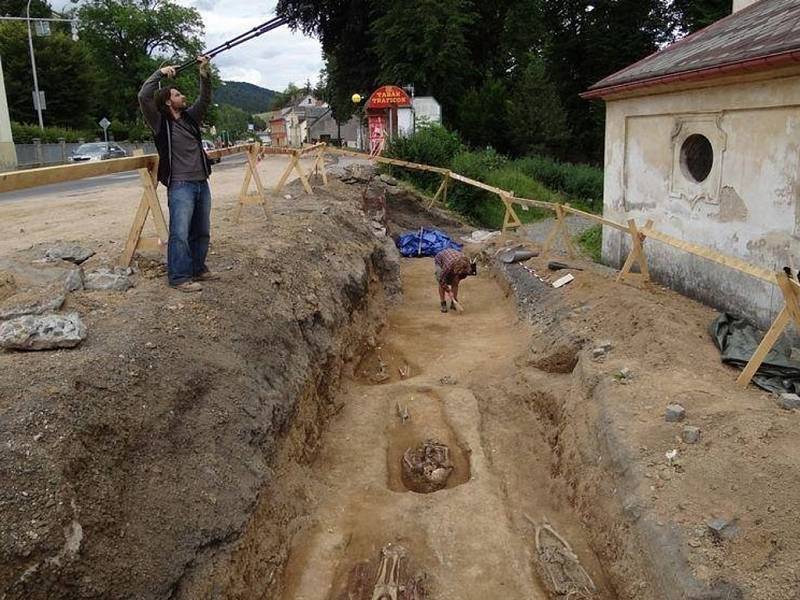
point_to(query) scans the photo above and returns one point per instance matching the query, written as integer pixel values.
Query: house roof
(764, 35)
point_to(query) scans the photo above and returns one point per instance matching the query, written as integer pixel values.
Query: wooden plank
(149, 245)
(764, 347)
(302, 174)
(712, 255)
(597, 218)
(276, 150)
(479, 184)
(149, 179)
(308, 149)
(389, 161)
(222, 152)
(135, 232)
(20, 180)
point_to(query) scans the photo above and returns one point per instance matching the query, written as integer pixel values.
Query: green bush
(24, 134)
(582, 182)
(430, 145)
(466, 199)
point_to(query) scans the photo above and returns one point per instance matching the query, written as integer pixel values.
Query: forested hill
(246, 96)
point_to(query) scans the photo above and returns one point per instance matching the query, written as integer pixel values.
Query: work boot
(444, 307)
(206, 276)
(189, 286)
(453, 306)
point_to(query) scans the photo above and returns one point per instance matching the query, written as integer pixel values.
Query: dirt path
(462, 538)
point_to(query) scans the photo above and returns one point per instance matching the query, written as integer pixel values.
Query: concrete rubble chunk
(31, 303)
(73, 281)
(675, 413)
(105, 279)
(42, 332)
(70, 252)
(690, 434)
(387, 179)
(789, 401)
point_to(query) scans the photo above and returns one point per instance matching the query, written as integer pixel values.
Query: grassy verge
(591, 242)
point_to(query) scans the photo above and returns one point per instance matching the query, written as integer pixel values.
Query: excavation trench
(370, 532)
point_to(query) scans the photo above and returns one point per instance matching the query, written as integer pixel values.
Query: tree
(233, 120)
(65, 73)
(537, 121)
(344, 28)
(424, 42)
(482, 116)
(17, 8)
(692, 15)
(127, 38)
(286, 97)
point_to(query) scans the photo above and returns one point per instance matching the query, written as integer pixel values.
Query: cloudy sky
(273, 61)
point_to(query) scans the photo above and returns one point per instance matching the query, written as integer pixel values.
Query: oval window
(697, 157)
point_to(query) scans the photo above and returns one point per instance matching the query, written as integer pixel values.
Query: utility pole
(37, 96)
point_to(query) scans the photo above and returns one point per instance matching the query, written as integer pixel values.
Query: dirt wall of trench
(139, 464)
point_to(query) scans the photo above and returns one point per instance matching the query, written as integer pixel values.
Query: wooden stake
(251, 174)
(637, 252)
(510, 219)
(148, 204)
(559, 228)
(441, 191)
(789, 312)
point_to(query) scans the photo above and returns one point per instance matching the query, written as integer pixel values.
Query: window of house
(697, 157)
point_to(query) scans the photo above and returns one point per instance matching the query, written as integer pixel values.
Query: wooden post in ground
(442, 191)
(510, 218)
(789, 312)
(319, 166)
(637, 252)
(294, 164)
(147, 205)
(251, 174)
(559, 228)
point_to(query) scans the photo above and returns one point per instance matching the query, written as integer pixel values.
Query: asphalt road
(73, 189)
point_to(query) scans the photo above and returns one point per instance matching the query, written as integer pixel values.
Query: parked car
(208, 145)
(98, 151)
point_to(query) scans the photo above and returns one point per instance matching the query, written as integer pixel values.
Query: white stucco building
(703, 137)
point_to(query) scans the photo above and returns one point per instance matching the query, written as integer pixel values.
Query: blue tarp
(425, 242)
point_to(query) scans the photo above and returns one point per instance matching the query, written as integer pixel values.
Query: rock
(8, 285)
(70, 252)
(448, 380)
(598, 353)
(722, 529)
(675, 413)
(106, 279)
(690, 434)
(361, 172)
(606, 345)
(31, 303)
(387, 179)
(42, 332)
(73, 280)
(789, 401)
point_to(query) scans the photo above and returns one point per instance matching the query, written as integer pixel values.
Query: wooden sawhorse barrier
(251, 174)
(294, 165)
(150, 206)
(790, 312)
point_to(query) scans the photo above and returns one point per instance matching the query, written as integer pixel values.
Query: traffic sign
(104, 123)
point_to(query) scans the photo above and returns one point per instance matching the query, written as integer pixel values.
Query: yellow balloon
(356, 98)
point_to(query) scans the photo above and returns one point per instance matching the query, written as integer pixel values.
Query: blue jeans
(189, 229)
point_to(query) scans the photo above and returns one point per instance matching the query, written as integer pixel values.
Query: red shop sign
(388, 96)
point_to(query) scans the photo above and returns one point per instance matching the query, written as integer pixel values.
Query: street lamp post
(33, 67)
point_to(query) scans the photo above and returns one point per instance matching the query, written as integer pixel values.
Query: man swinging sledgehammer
(451, 267)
